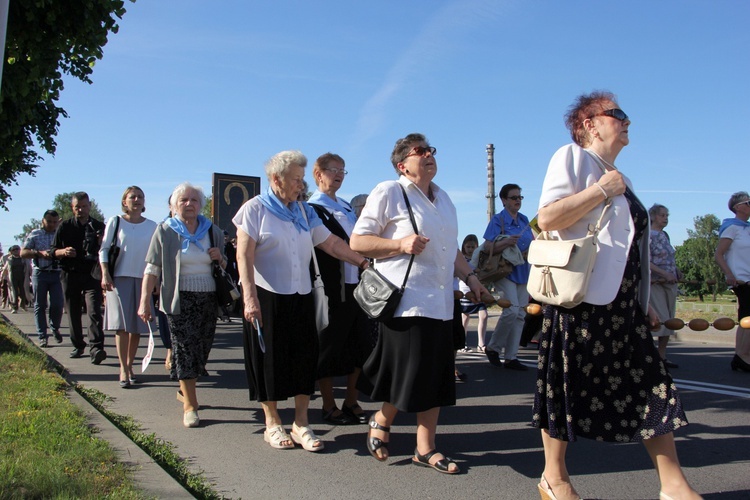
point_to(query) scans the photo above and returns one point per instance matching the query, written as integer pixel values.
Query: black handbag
(114, 251)
(377, 296)
(226, 290)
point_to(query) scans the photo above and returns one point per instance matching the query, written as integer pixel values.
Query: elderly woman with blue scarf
(733, 257)
(275, 240)
(181, 253)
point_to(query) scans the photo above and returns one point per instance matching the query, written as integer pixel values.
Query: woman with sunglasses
(507, 229)
(733, 256)
(600, 375)
(412, 365)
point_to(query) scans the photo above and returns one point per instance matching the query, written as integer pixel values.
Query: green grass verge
(22, 362)
(47, 449)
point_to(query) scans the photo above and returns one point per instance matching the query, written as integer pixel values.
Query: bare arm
(147, 288)
(462, 269)
(380, 248)
(721, 249)
(245, 263)
(563, 213)
(336, 247)
(663, 275)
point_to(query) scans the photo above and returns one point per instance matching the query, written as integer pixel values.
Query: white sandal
(305, 437)
(275, 436)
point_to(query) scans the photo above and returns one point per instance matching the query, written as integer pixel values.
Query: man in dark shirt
(76, 244)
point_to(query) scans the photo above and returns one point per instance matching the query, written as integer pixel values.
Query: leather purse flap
(552, 253)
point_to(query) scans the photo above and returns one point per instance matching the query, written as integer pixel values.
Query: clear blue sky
(188, 88)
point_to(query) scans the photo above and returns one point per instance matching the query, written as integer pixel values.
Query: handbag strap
(114, 236)
(416, 231)
(315, 259)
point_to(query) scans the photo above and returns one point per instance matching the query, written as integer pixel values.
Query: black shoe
(493, 357)
(514, 364)
(43, 342)
(357, 417)
(340, 419)
(58, 336)
(739, 364)
(98, 356)
(669, 364)
(77, 353)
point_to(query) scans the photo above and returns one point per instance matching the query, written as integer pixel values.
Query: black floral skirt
(192, 333)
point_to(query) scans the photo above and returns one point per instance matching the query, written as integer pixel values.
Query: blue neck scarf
(291, 213)
(179, 227)
(337, 205)
(734, 221)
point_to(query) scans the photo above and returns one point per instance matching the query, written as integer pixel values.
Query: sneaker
(514, 364)
(43, 342)
(98, 356)
(58, 336)
(77, 353)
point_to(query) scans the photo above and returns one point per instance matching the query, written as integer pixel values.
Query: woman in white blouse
(275, 240)
(182, 252)
(733, 256)
(123, 288)
(412, 366)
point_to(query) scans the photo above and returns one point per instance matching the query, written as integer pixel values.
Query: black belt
(48, 270)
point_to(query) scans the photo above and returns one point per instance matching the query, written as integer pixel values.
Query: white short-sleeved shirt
(429, 289)
(133, 240)
(282, 254)
(738, 255)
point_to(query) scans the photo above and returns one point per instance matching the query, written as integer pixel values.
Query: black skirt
(288, 366)
(344, 344)
(412, 365)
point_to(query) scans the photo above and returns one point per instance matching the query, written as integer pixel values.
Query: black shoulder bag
(226, 290)
(377, 296)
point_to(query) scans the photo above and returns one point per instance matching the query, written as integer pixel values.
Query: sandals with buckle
(360, 418)
(275, 436)
(373, 443)
(442, 465)
(305, 437)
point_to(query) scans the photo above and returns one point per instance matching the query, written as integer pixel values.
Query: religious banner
(229, 193)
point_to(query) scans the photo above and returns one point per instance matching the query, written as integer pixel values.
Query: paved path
(487, 432)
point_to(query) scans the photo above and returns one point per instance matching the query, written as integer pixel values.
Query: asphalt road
(487, 432)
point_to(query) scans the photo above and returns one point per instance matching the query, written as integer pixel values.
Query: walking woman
(412, 367)
(131, 233)
(600, 375)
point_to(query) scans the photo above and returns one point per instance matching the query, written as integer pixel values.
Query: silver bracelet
(606, 197)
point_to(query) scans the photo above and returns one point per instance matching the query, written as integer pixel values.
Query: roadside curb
(148, 475)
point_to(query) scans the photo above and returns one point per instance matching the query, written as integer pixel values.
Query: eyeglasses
(514, 198)
(335, 171)
(746, 202)
(421, 151)
(615, 113)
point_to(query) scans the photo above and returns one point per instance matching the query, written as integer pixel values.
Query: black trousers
(77, 288)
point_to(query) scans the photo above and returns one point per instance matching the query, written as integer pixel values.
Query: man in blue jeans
(45, 277)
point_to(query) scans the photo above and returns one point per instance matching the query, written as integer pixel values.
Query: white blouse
(429, 289)
(738, 255)
(133, 240)
(282, 254)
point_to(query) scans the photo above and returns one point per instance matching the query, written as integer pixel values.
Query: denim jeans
(47, 283)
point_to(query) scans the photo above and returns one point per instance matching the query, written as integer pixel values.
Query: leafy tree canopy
(45, 38)
(695, 257)
(62, 205)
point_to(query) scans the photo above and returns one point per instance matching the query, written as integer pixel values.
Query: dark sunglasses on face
(615, 113)
(421, 151)
(514, 198)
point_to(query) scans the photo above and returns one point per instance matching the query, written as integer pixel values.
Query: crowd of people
(164, 273)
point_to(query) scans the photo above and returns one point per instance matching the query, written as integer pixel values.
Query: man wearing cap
(45, 277)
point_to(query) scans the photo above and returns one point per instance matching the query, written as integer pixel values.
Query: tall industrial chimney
(490, 181)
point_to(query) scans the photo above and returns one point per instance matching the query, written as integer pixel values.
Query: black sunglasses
(514, 198)
(615, 113)
(420, 151)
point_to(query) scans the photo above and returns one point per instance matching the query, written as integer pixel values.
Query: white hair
(182, 189)
(279, 163)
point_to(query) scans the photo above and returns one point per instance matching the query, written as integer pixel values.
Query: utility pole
(490, 181)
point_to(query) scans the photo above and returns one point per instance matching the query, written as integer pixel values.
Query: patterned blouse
(662, 252)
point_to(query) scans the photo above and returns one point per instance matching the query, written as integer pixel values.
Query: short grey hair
(279, 163)
(737, 197)
(655, 209)
(182, 189)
